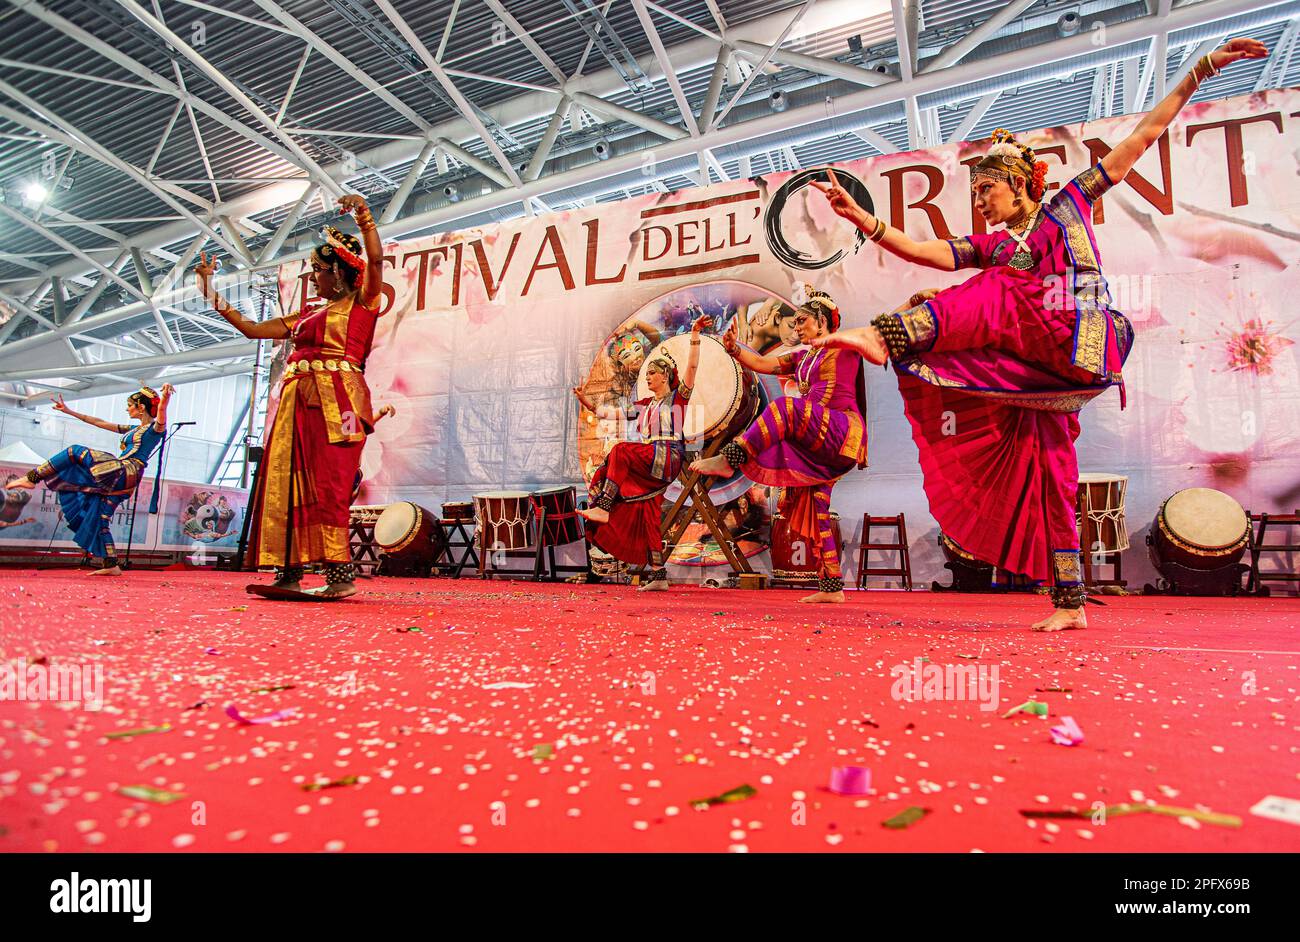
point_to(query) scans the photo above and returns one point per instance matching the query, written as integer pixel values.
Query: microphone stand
(158, 478)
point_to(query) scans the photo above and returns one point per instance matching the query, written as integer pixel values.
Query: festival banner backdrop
(32, 518)
(201, 517)
(486, 331)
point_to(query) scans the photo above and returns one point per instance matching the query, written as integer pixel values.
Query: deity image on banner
(725, 395)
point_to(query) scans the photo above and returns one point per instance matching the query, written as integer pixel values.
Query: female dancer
(994, 371)
(91, 483)
(808, 443)
(627, 490)
(299, 506)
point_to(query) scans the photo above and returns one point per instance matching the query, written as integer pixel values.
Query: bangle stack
(879, 232)
(365, 221)
(1204, 69)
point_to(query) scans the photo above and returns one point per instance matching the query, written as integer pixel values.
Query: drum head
(498, 495)
(395, 523)
(1097, 477)
(719, 383)
(1205, 517)
(554, 490)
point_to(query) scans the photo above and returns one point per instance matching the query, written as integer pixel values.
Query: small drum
(1100, 509)
(562, 524)
(795, 558)
(405, 529)
(1198, 539)
(725, 398)
(458, 510)
(505, 519)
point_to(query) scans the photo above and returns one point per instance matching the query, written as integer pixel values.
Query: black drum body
(561, 524)
(968, 573)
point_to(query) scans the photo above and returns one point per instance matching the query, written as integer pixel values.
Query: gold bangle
(881, 228)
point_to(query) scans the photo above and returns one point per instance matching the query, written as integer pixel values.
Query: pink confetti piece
(232, 711)
(850, 780)
(1068, 733)
(212, 651)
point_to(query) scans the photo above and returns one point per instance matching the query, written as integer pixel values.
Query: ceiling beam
(968, 43)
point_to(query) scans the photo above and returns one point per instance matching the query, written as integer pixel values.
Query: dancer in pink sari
(994, 371)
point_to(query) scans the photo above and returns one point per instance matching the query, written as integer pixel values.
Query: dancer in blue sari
(91, 483)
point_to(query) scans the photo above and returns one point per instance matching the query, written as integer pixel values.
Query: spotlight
(777, 100)
(452, 192)
(601, 149)
(34, 192)
(1068, 24)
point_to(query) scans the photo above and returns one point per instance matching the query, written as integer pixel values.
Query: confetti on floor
(601, 726)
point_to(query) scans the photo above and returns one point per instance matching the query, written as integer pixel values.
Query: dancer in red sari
(299, 508)
(994, 371)
(627, 490)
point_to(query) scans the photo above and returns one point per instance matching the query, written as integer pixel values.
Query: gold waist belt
(320, 366)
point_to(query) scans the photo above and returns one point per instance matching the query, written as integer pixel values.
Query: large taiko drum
(796, 558)
(560, 506)
(1100, 507)
(505, 519)
(406, 529)
(409, 538)
(725, 398)
(1197, 541)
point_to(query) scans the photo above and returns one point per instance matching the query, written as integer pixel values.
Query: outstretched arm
(932, 253)
(374, 280)
(1121, 160)
(160, 420)
(274, 329)
(61, 406)
(755, 361)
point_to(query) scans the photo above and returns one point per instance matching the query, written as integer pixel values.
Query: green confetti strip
(739, 793)
(1029, 706)
(905, 818)
(275, 688)
(143, 731)
(337, 783)
(159, 796)
(543, 750)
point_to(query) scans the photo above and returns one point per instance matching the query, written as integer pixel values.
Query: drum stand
(695, 487)
(452, 527)
(487, 570)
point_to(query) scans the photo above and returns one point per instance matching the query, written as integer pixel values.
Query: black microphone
(179, 424)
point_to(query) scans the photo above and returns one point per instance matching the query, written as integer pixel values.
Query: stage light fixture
(777, 100)
(1068, 24)
(452, 192)
(34, 192)
(601, 149)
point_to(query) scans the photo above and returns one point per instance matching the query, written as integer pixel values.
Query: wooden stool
(899, 524)
(695, 488)
(1259, 525)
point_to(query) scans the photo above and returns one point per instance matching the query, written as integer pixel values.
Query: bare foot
(821, 598)
(659, 585)
(19, 484)
(866, 340)
(108, 571)
(292, 585)
(717, 467)
(595, 515)
(1063, 619)
(339, 590)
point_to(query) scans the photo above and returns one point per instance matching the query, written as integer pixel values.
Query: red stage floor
(558, 717)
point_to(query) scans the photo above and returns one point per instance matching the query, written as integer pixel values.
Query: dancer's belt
(320, 366)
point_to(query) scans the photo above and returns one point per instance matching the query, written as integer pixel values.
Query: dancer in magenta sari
(805, 444)
(994, 371)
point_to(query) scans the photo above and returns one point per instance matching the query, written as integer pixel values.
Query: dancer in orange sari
(994, 371)
(299, 508)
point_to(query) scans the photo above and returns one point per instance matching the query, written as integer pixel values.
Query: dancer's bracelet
(880, 230)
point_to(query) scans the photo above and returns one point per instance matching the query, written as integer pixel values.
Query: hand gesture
(386, 411)
(839, 198)
(1236, 49)
(205, 269)
(352, 202)
(703, 322)
(731, 339)
(925, 294)
(167, 391)
(61, 406)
